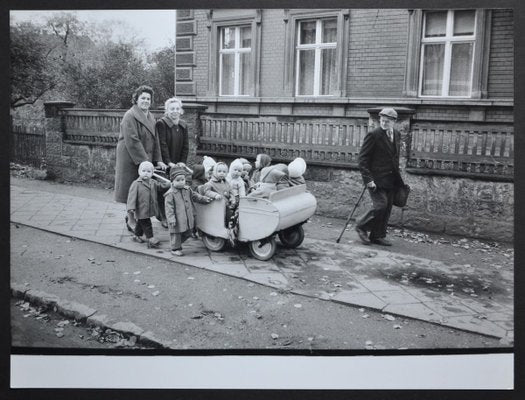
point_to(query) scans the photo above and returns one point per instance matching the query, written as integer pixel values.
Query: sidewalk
(476, 297)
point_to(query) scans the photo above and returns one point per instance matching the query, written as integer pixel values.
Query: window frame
(292, 18)
(218, 19)
(480, 55)
(236, 51)
(448, 40)
(317, 47)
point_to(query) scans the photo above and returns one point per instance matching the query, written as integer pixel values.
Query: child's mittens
(208, 199)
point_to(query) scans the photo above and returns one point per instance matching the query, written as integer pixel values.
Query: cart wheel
(213, 243)
(292, 237)
(263, 249)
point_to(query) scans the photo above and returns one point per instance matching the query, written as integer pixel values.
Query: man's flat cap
(388, 112)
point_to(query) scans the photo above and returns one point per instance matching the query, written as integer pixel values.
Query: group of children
(207, 182)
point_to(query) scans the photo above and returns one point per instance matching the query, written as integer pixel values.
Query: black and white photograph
(263, 181)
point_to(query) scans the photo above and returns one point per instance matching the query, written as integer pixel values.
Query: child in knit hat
(296, 170)
(142, 203)
(180, 211)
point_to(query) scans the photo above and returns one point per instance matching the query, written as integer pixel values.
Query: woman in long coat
(137, 142)
(173, 133)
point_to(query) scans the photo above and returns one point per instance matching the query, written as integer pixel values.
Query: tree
(30, 76)
(162, 73)
(110, 82)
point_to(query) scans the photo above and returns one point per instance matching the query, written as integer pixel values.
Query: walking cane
(351, 214)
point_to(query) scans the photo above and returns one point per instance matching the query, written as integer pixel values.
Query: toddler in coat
(142, 203)
(180, 211)
(234, 178)
(217, 188)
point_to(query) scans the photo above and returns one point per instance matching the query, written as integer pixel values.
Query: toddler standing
(180, 211)
(142, 203)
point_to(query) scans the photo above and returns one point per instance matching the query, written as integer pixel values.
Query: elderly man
(379, 166)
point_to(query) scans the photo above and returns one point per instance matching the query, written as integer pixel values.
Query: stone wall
(83, 154)
(456, 206)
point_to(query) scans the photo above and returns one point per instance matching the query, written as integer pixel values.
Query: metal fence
(28, 144)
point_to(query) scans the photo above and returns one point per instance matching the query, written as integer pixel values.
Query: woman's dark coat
(137, 142)
(173, 140)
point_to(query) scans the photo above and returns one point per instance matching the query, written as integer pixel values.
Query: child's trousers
(176, 239)
(144, 227)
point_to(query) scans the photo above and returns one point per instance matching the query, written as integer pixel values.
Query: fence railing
(319, 143)
(28, 145)
(93, 127)
(467, 149)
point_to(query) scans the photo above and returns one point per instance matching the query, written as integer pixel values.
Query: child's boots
(153, 243)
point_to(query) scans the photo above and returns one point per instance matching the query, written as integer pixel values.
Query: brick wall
(272, 53)
(501, 66)
(200, 46)
(376, 35)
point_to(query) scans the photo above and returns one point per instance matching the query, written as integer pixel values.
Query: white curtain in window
(432, 80)
(435, 24)
(328, 73)
(460, 69)
(228, 74)
(245, 82)
(329, 30)
(307, 32)
(464, 22)
(306, 72)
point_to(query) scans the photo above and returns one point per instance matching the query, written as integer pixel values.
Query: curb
(85, 314)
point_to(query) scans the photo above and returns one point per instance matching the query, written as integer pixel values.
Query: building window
(316, 61)
(234, 40)
(447, 47)
(316, 48)
(235, 69)
(448, 52)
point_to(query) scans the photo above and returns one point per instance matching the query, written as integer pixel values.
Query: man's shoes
(177, 253)
(381, 241)
(362, 235)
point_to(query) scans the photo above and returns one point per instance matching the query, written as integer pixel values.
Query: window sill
(358, 100)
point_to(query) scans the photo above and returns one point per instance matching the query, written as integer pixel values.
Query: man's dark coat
(379, 159)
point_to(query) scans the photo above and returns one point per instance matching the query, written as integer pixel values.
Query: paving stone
(148, 338)
(360, 299)
(395, 296)
(423, 295)
(272, 279)
(483, 306)
(127, 327)
(100, 320)
(377, 284)
(238, 270)
(42, 298)
(473, 324)
(416, 311)
(448, 308)
(18, 290)
(75, 310)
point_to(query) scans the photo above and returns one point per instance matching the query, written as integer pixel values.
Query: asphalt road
(199, 309)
